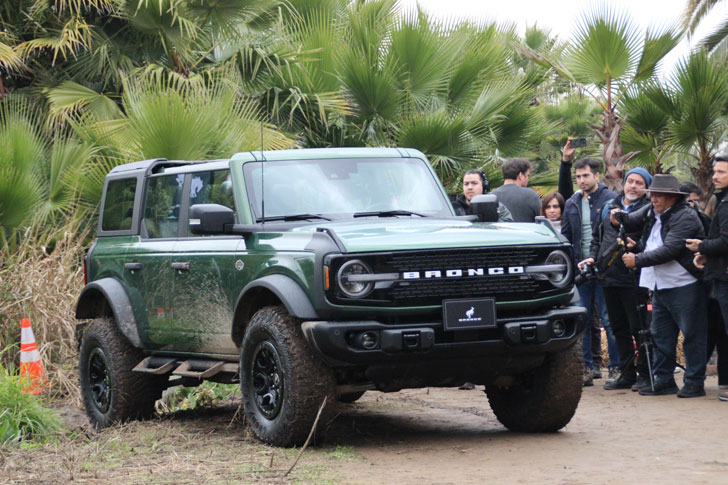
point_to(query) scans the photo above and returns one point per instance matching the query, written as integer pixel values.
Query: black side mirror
(211, 219)
(485, 206)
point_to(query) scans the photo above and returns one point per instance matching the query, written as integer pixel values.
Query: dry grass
(605, 349)
(202, 446)
(43, 285)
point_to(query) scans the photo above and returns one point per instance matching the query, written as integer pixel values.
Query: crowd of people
(653, 245)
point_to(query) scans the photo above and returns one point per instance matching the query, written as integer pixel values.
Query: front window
(340, 188)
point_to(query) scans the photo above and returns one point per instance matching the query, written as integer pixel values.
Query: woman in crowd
(552, 206)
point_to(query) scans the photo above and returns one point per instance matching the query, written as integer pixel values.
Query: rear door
(147, 263)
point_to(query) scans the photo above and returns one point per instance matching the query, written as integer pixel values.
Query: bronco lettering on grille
(460, 273)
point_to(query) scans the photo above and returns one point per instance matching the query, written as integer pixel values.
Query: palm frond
(70, 97)
(656, 46)
(715, 38)
(695, 11)
(10, 59)
(604, 47)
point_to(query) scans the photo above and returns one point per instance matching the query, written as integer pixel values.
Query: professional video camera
(586, 273)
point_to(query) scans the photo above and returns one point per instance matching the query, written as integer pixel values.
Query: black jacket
(715, 247)
(604, 248)
(571, 220)
(678, 224)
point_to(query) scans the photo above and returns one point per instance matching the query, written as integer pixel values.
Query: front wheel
(282, 382)
(545, 399)
(111, 392)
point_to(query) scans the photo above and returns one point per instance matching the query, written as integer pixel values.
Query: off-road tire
(350, 397)
(545, 399)
(111, 392)
(291, 381)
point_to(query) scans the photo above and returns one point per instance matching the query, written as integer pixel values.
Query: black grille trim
(426, 292)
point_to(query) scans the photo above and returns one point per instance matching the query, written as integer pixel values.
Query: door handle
(181, 266)
(133, 266)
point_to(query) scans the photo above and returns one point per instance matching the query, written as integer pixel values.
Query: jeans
(720, 290)
(675, 310)
(626, 323)
(718, 339)
(590, 293)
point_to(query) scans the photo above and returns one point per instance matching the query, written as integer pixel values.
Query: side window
(119, 205)
(161, 206)
(212, 188)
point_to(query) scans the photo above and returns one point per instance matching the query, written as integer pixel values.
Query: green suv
(320, 274)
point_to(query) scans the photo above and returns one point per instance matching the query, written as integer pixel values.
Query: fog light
(368, 340)
(558, 327)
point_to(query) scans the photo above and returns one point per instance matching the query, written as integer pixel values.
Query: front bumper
(343, 344)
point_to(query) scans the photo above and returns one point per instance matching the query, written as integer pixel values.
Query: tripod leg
(649, 366)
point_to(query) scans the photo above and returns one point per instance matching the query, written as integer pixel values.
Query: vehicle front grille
(424, 291)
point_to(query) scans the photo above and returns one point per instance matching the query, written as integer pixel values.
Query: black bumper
(342, 344)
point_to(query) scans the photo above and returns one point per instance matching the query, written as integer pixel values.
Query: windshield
(343, 187)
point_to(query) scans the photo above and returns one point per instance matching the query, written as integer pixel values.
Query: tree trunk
(614, 158)
(703, 175)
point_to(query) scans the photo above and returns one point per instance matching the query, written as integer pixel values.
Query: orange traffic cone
(31, 368)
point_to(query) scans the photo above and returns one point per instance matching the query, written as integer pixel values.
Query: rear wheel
(282, 382)
(111, 392)
(545, 399)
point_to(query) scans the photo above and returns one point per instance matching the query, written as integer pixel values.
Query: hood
(391, 234)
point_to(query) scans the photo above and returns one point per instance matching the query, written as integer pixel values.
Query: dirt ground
(418, 436)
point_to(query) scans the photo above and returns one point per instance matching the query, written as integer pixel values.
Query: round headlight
(350, 281)
(562, 277)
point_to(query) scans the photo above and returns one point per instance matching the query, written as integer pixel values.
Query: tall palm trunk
(614, 157)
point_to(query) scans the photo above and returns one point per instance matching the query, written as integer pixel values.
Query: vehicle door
(206, 271)
(148, 273)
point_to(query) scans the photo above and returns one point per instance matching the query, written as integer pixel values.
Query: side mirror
(211, 219)
(485, 206)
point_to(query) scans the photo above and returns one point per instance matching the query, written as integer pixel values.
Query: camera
(586, 273)
(621, 217)
(578, 143)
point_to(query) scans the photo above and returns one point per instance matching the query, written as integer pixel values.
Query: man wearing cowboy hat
(678, 298)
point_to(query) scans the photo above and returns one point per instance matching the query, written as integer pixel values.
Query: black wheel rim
(98, 379)
(267, 380)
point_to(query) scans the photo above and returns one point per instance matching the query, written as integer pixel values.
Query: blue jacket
(571, 219)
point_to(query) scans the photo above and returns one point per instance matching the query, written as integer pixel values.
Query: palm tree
(194, 118)
(694, 100)
(39, 169)
(606, 56)
(695, 12)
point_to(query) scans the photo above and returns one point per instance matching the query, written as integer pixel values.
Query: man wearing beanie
(623, 296)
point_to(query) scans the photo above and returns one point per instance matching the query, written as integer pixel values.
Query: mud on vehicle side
(312, 274)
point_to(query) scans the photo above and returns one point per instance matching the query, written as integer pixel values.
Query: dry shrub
(42, 281)
(680, 355)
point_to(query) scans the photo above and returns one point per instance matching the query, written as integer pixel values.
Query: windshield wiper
(293, 217)
(389, 213)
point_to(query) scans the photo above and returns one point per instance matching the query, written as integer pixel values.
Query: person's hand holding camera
(587, 261)
(617, 216)
(568, 152)
(629, 259)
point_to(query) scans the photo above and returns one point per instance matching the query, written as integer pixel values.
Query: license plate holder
(467, 314)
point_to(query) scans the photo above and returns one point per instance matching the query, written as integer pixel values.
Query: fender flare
(287, 291)
(116, 297)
